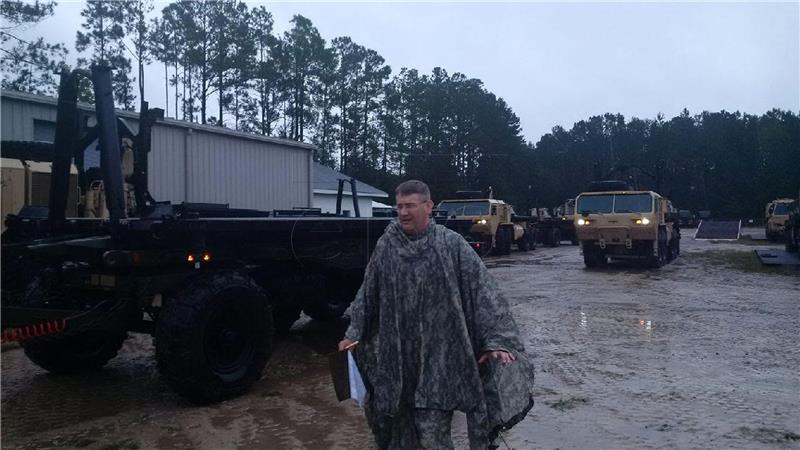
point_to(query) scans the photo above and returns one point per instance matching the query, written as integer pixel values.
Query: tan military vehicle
(566, 213)
(776, 214)
(488, 224)
(624, 224)
(27, 184)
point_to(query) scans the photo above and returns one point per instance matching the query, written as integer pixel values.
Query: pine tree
(136, 27)
(266, 77)
(104, 24)
(28, 66)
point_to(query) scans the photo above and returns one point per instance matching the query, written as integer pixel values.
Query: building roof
(52, 101)
(326, 181)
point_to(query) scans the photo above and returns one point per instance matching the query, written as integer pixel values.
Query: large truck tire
(660, 258)
(502, 240)
(523, 243)
(790, 238)
(674, 248)
(594, 257)
(86, 351)
(531, 237)
(214, 338)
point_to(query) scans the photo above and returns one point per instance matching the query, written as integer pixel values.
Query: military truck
(488, 224)
(776, 214)
(565, 213)
(26, 183)
(626, 225)
(210, 283)
(549, 228)
(792, 228)
(687, 218)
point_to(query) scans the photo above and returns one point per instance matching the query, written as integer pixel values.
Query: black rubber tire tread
(594, 257)
(503, 240)
(789, 238)
(655, 262)
(87, 351)
(180, 331)
(589, 260)
(522, 243)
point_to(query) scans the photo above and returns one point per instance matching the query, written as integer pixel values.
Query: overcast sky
(558, 63)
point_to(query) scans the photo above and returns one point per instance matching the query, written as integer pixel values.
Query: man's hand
(503, 356)
(346, 344)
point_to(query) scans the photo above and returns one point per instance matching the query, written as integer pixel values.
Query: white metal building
(188, 161)
(326, 189)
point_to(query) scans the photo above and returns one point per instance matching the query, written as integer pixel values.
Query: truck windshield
(781, 209)
(633, 203)
(465, 208)
(620, 203)
(592, 204)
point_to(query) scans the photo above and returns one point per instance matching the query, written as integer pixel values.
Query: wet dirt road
(698, 354)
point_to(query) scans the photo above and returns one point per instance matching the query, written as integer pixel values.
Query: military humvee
(488, 224)
(776, 215)
(624, 224)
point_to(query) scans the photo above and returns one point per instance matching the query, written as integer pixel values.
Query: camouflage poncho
(426, 311)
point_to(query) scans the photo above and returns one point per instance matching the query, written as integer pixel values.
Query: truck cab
(776, 215)
(635, 225)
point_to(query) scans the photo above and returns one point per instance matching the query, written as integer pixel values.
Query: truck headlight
(582, 222)
(481, 222)
(643, 221)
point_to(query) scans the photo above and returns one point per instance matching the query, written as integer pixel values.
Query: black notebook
(341, 378)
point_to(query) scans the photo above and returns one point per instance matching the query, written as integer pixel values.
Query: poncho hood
(409, 246)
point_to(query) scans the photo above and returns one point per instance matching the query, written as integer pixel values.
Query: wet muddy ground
(702, 353)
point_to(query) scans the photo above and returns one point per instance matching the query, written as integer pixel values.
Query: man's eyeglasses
(408, 206)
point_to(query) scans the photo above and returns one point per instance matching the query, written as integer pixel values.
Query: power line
(129, 50)
(19, 58)
(15, 37)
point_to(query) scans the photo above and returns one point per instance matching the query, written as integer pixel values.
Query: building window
(44, 130)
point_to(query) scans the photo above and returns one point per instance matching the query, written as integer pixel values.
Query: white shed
(326, 189)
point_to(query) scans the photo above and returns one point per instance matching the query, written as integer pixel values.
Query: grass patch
(743, 261)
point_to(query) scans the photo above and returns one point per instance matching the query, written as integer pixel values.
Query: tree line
(224, 65)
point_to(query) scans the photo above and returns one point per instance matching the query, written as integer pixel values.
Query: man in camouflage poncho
(431, 335)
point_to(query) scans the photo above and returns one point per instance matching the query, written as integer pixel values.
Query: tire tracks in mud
(689, 356)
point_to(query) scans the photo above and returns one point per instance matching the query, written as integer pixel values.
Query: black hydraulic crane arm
(67, 139)
(340, 195)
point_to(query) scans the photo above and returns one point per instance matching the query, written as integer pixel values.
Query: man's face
(413, 213)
